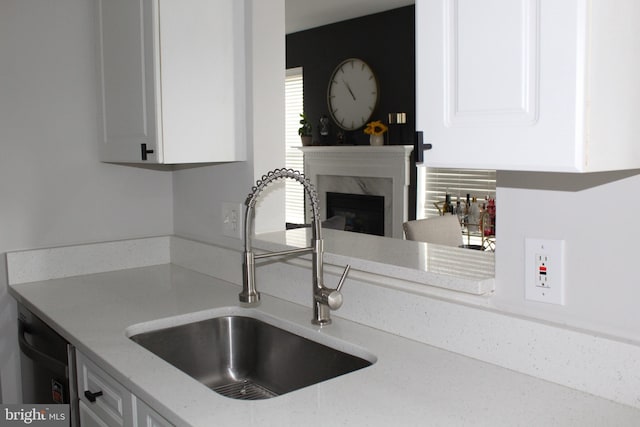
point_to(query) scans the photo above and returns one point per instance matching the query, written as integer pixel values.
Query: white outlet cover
(553, 290)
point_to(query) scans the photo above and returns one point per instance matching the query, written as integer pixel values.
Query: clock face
(352, 94)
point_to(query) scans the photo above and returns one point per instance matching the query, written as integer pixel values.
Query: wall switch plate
(544, 271)
(232, 219)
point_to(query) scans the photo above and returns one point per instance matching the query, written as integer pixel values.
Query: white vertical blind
(294, 192)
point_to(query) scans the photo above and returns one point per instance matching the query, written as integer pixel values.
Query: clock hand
(349, 89)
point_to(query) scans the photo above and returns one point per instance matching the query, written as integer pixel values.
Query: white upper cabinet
(540, 85)
(171, 79)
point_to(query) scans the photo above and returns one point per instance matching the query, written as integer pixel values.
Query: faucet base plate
(323, 322)
(249, 298)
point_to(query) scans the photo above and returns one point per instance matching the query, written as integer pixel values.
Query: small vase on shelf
(376, 131)
(376, 139)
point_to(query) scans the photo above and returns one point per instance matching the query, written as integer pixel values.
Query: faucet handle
(334, 296)
(343, 277)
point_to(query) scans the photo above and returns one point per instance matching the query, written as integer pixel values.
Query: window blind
(437, 182)
(294, 192)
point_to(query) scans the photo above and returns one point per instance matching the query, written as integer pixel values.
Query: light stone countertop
(456, 269)
(410, 383)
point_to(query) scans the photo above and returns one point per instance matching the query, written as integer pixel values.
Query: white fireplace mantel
(368, 166)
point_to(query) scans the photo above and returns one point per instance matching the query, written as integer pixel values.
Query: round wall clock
(352, 94)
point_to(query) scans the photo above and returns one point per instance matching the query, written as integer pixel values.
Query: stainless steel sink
(246, 358)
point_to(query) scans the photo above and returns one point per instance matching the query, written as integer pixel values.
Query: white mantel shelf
(374, 149)
(366, 162)
(347, 153)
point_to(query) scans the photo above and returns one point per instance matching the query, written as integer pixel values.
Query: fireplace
(376, 171)
(363, 213)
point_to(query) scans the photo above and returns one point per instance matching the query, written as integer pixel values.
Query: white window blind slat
(294, 192)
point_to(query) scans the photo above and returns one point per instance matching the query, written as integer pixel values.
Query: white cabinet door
(88, 418)
(106, 398)
(128, 67)
(147, 417)
(171, 77)
(513, 84)
(104, 402)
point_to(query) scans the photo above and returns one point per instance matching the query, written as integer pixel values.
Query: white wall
(53, 189)
(597, 216)
(268, 123)
(199, 192)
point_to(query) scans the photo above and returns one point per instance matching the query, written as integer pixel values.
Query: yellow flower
(375, 128)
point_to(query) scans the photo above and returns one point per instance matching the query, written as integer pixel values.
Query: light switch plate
(544, 271)
(232, 219)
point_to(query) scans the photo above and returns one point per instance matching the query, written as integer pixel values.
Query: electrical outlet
(232, 219)
(544, 271)
(541, 268)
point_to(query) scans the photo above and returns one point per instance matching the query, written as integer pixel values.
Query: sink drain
(244, 390)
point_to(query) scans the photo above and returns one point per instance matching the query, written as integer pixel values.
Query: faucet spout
(321, 295)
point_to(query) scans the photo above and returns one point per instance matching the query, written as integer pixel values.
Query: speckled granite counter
(410, 383)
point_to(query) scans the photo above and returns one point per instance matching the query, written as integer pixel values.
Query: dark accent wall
(386, 41)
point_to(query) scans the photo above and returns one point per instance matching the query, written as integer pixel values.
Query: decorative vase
(376, 139)
(306, 140)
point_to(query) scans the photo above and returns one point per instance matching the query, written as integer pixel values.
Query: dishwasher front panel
(47, 363)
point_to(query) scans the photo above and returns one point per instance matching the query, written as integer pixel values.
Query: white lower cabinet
(147, 417)
(104, 402)
(88, 418)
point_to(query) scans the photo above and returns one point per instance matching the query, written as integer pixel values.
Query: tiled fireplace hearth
(363, 170)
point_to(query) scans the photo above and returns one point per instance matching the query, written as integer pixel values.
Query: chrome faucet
(324, 299)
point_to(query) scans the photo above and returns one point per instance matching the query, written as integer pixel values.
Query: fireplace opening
(363, 213)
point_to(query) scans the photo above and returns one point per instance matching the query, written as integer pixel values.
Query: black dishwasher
(48, 364)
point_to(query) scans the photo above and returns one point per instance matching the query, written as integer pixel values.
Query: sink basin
(246, 358)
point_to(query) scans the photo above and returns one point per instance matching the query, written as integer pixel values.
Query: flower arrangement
(375, 128)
